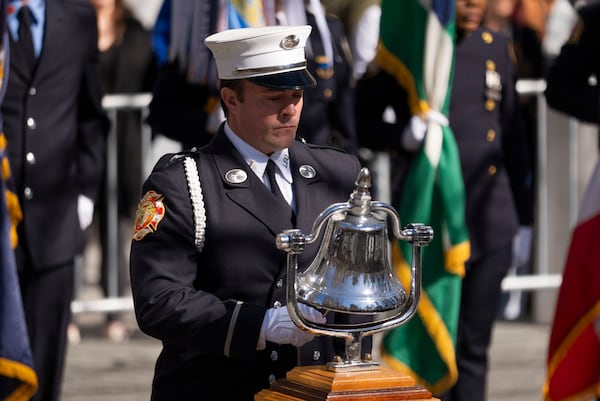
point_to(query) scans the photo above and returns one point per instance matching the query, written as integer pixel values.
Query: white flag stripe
(437, 65)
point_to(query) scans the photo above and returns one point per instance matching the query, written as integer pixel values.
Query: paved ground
(98, 370)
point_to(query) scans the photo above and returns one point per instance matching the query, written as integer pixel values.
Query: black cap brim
(299, 79)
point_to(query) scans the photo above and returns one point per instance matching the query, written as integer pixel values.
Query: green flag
(417, 48)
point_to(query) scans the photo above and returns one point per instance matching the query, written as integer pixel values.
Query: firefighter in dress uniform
(207, 278)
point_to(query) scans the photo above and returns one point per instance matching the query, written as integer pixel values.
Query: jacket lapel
(250, 194)
(18, 63)
(307, 186)
(56, 34)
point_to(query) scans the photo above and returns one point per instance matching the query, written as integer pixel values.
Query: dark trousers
(481, 290)
(47, 296)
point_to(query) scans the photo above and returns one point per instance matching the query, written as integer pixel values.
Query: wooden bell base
(316, 383)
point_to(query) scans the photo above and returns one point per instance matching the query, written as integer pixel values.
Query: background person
(485, 120)
(328, 112)
(56, 132)
(568, 82)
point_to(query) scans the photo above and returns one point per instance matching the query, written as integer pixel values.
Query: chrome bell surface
(351, 272)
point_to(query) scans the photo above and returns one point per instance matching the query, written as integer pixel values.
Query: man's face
(265, 118)
(469, 14)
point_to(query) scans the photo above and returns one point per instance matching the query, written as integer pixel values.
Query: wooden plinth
(316, 383)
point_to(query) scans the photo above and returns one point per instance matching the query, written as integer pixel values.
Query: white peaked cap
(271, 56)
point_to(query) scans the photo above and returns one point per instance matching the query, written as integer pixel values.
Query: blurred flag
(417, 48)
(246, 13)
(18, 380)
(573, 361)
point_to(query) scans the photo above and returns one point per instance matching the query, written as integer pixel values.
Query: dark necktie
(275, 190)
(25, 37)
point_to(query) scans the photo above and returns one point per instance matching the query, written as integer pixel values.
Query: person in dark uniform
(568, 82)
(207, 278)
(484, 117)
(56, 133)
(328, 114)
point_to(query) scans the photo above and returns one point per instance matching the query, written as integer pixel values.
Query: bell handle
(293, 240)
(323, 217)
(390, 211)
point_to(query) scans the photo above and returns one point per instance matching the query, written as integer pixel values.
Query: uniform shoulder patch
(150, 212)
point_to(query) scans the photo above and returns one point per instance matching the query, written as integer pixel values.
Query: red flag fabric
(573, 362)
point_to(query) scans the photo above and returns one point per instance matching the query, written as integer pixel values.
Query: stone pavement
(98, 370)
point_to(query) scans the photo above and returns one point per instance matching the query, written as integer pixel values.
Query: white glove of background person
(85, 211)
(522, 246)
(278, 327)
(414, 133)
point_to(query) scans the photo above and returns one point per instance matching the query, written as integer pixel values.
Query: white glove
(414, 133)
(278, 327)
(522, 246)
(85, 211)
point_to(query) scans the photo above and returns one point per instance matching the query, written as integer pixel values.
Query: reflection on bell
(351, 272)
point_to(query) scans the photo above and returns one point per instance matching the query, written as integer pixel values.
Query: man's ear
(229, 99)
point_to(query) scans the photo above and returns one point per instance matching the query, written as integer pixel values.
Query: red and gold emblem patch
(150, 212)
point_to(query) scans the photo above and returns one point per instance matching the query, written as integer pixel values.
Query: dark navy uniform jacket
(568, 87)
(207, 307)
(484, 118)
(328, 113)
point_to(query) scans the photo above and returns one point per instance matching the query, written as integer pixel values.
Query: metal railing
(542, 279)
(112, 104)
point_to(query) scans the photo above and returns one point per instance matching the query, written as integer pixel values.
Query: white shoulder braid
(193, 181)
